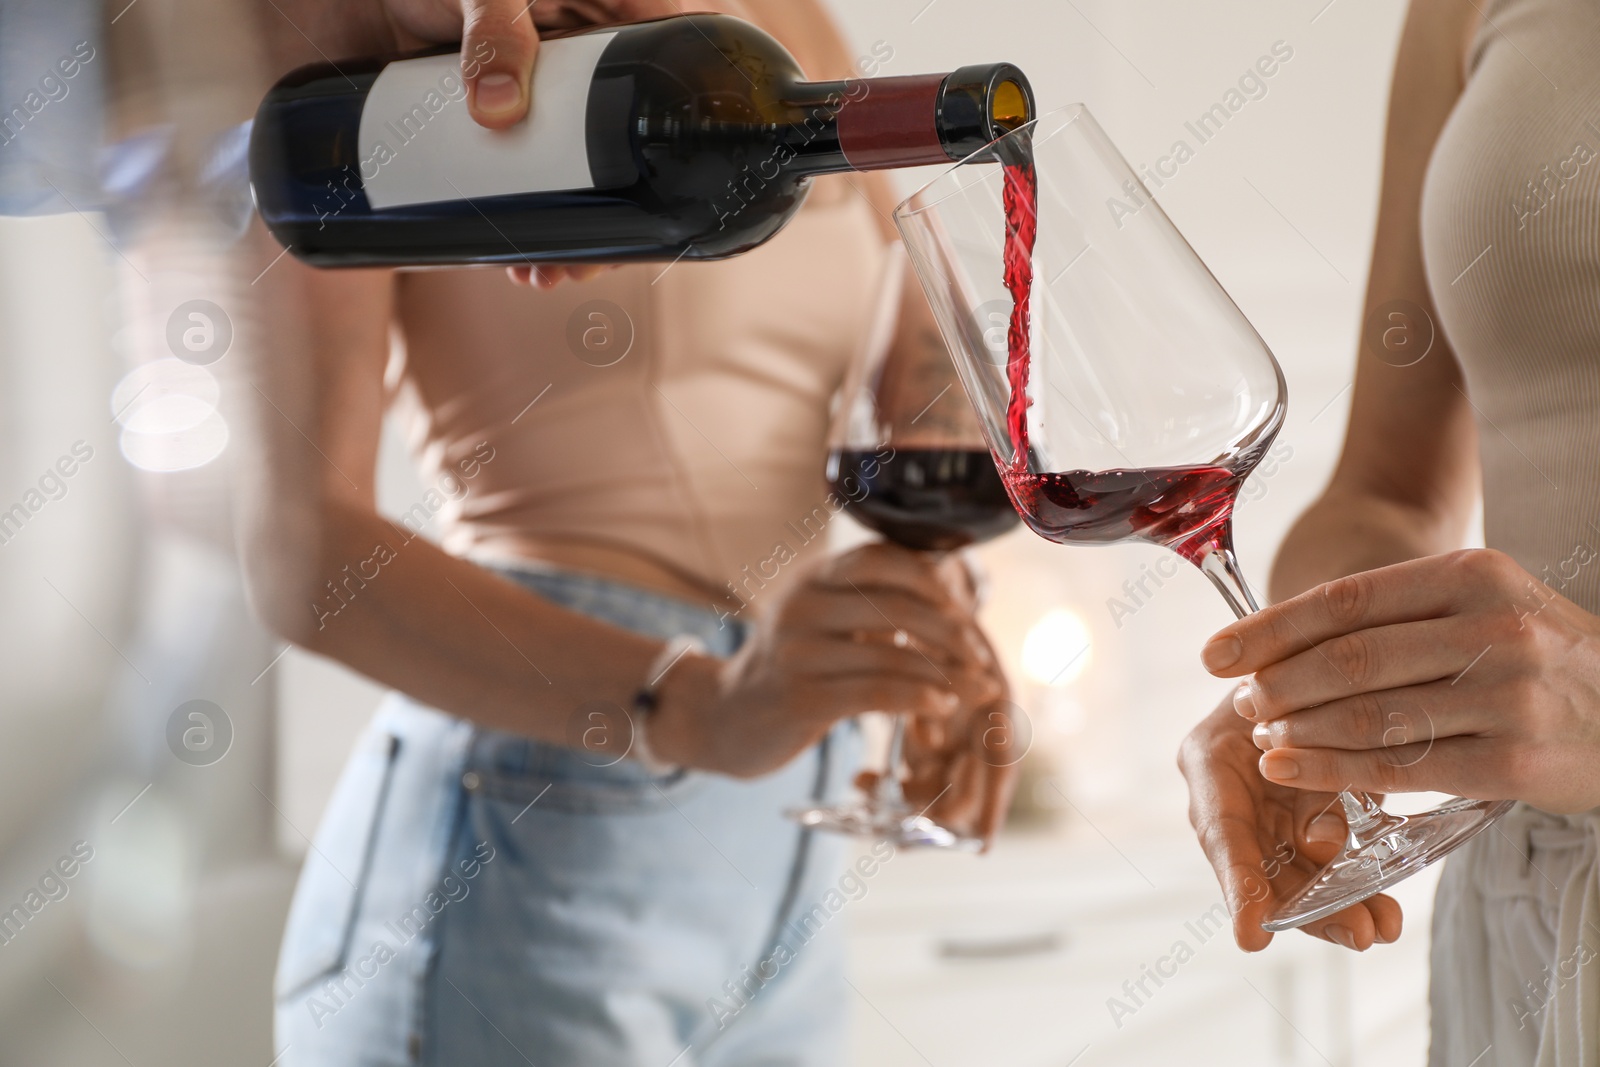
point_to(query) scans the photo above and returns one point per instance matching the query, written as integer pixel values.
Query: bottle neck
(918, 120)
(866, 124)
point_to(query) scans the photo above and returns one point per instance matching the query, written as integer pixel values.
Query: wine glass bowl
(1124, 397)
(1165, 369)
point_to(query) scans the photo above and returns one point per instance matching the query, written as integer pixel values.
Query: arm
(328, 573)
(1408, 476)
(1403, 488)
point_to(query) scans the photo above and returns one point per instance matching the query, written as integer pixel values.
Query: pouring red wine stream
(1185, 508)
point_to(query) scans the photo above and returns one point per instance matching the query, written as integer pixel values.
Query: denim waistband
(641, 611)
(609, 784)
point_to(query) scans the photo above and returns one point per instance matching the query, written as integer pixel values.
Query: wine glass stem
(1367, 821)
(1217, 563)
(890, 791)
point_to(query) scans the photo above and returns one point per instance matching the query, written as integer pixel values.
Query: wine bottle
(687, 137)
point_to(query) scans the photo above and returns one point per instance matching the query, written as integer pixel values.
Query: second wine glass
(908, 458)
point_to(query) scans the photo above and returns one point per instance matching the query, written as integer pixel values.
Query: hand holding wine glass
(909, 459)
(828, 649)
(1458, 673)
(960, 770)
(1264, 840)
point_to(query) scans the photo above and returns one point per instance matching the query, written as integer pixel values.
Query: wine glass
(908, 459)
(1125, 397)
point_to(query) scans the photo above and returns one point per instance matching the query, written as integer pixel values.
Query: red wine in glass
(1185, 508)
(931, 500)
(1180, 507)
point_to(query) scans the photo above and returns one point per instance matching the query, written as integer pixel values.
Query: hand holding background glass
(907, 454)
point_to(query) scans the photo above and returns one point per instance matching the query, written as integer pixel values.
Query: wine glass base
(1415, 842)
(900, 826)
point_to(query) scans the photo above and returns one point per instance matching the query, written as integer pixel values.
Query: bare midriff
(664, 427)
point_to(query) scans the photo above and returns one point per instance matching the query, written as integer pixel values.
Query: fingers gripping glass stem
(1379, 848)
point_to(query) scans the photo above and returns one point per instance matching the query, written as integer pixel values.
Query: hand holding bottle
(499, 45)
(500, 40)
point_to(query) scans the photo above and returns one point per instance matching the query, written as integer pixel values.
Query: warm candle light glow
(1056, 650)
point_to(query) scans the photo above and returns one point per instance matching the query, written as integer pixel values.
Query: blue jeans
(479, 898)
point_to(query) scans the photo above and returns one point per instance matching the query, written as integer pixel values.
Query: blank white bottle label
(419, 144)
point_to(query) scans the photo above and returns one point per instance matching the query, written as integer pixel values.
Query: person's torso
(658, 418)
(1511, 236)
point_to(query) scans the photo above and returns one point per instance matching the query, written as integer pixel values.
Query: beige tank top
(663, 423)
(1511, 234)
(674, 412)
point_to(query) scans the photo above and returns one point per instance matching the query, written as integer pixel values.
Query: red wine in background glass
(940, 500)
(931, 500)
(936, 498)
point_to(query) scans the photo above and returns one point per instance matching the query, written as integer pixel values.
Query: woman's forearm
(444, 630)
(1347, 532)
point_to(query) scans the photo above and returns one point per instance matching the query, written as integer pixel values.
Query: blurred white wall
(72, 558)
